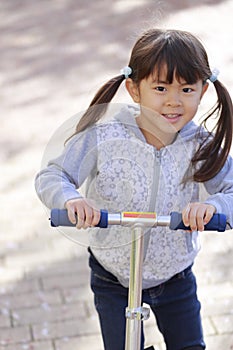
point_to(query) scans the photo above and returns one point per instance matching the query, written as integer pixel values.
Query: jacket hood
(127, 115)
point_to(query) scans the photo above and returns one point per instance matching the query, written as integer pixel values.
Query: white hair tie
(126, 71)
(214, 75)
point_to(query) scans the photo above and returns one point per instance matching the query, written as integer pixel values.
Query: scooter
(135, 313)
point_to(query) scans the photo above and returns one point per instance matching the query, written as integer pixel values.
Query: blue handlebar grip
(59, 217)
(217, 223)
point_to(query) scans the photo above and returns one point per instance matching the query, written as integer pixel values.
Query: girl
(151, 158)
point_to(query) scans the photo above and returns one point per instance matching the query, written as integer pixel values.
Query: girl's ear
(133, 90)
(204, 89)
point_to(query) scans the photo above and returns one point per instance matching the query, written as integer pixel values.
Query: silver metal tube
(114, 219)
(134, 316)
(118, 219)
(133, 324)
(163, 220)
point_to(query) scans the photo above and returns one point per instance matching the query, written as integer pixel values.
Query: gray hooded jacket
(120, 171)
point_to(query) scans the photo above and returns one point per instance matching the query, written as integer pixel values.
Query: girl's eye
(186, 90)
(160, 88)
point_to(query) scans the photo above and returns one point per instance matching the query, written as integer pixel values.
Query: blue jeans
(174, 304)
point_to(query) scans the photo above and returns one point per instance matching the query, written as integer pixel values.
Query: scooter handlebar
(59, 217)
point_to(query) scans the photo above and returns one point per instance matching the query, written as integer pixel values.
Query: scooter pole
(134, 312)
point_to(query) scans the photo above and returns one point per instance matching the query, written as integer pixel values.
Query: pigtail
(99, 104)
(214, 153)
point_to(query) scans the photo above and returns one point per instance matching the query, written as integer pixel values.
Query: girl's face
(165, 108)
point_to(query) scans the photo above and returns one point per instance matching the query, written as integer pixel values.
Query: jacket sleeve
(220, 189)
(63, 176)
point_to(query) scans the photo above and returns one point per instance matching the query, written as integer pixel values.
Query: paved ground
(54, 55)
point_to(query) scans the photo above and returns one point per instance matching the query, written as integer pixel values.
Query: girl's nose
(173, 100)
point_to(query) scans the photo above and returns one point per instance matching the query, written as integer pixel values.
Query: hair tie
(214, 75)
(126, 71)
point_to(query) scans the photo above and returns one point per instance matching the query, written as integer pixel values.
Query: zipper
(156, 178)
(154, 192)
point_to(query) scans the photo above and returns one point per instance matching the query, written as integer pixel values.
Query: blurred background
(54, 55)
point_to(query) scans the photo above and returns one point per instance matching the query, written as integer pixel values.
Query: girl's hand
(196, 215)
(83, 210)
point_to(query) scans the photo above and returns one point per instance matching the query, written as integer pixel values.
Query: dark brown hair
(183, 55)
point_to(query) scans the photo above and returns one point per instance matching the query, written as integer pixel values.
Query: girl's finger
(193, 218)
(71, 214)
(81, 218)
(96, 217)
(88, 216)
(209, 213)
(185, 215)
(200, 214)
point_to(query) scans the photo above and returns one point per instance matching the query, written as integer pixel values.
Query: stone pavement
(54, 55)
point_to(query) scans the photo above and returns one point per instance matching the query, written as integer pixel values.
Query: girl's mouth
(172, 118)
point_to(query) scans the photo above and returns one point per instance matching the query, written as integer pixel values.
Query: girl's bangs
(173, 62)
